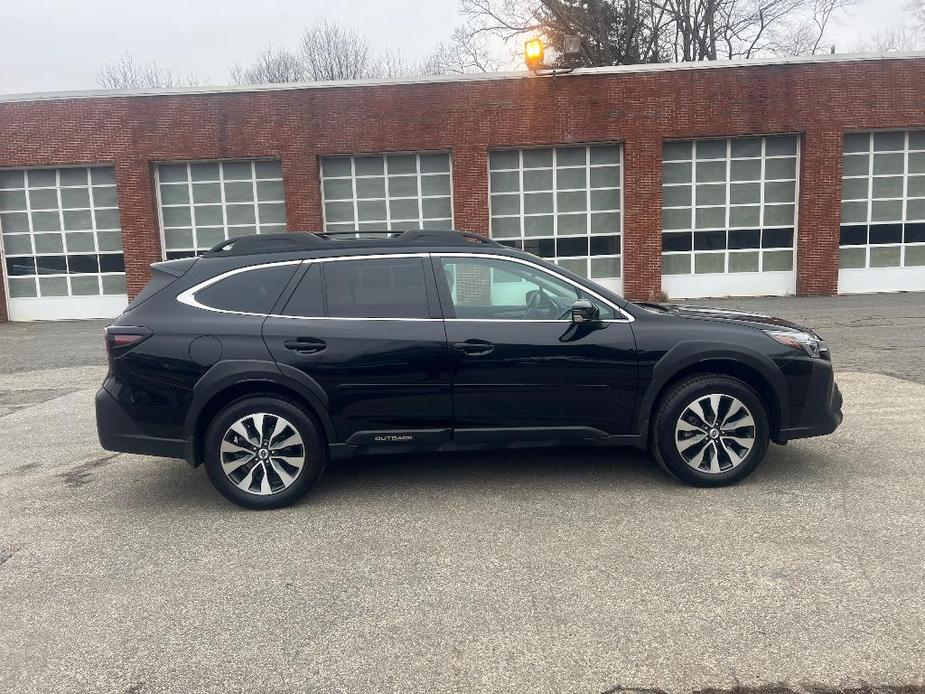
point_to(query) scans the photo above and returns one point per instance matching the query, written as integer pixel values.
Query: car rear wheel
(710, 431)
(264, 452)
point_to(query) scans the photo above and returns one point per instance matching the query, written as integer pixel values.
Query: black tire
(314, 450)
(666, 438)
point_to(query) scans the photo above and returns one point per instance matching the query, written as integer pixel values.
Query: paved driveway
(562, 570)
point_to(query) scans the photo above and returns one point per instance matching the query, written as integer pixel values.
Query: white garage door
(729, 216)
(882, 246)
(384, 192)
(563, 204)
(61, 243)
(204, 203)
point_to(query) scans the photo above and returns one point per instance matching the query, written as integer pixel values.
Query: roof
(475, 77)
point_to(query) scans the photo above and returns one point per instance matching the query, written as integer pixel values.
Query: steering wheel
(539, 305)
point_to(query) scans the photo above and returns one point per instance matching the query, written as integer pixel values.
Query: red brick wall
(820, 100)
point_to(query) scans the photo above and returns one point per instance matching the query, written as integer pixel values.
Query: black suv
(268, 355)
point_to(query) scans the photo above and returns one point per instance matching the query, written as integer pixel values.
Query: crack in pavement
(83, 473)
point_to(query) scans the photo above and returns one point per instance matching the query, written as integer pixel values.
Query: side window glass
(376, 288)
(250, 291)
(491, 289)
(308, 299)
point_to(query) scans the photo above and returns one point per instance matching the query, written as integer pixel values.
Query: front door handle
(474, 348)
(305, 345)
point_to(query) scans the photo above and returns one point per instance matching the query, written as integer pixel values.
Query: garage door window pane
(385, 192)
(79, 200)
(883, 203)
(204, 203)
(739, 185)
(542, 195)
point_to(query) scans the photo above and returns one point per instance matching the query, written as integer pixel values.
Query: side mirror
(583, 311)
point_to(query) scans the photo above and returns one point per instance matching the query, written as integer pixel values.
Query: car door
(367, 331)
(518, 360)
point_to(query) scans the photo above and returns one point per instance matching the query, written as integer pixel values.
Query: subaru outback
(267, 356)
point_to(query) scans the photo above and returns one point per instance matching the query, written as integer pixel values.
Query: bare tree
(892, 40)
(128, 73)
(391, 64)
(917, 9)
(611, 31)
(330, 52)
(273, 66)
(614, 32)
(909, 36)
(464, 53)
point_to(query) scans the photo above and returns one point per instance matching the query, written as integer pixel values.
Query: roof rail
(267, 243)
(299, 241)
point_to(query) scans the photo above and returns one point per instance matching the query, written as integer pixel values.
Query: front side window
(250, 291)
(493, 289)
(375, 288)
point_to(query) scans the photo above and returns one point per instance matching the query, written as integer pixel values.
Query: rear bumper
(117, 432)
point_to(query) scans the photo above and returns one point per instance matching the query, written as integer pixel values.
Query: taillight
(120, 339)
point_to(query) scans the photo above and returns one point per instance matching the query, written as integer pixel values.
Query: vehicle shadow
(526, 472)
(541, 470)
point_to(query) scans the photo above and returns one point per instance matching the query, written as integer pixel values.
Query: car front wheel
(710, 430)
(264, 452)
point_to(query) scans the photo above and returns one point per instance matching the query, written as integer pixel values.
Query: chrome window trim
(627, 317)
(188, 296)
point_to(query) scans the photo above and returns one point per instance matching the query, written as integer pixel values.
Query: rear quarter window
(248, 291)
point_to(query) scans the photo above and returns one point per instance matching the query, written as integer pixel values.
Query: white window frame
(735, 283)
(71, 305)
(191, 205)
(613, 283)
(399, 224)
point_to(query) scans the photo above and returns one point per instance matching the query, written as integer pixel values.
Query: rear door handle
(305, 345)
(474, 348)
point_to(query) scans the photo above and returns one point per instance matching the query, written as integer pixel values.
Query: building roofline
(475, 77)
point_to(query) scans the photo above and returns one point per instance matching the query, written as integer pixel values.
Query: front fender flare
(687, 354)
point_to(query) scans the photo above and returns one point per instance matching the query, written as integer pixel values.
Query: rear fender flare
(230, 373)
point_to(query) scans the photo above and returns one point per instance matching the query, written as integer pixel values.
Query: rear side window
(376, 288)
(250, 291)
(307, 300)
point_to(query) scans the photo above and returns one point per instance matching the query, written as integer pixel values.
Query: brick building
(769, 177)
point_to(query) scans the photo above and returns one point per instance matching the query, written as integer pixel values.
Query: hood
(725, 315)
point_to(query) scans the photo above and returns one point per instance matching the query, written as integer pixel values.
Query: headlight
(810, 344)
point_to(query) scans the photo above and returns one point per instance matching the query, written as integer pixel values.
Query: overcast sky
(50, 45)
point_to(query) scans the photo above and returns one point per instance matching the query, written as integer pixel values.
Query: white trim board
(731, 284)
(66, 307)
(881, 279)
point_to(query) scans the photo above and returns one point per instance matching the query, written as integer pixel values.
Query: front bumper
(117, 432)
(814, 400)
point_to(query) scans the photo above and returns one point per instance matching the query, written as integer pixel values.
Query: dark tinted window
(307, 299)
(381, 288)
(250, 291)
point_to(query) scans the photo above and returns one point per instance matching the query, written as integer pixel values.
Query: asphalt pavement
(567, 570)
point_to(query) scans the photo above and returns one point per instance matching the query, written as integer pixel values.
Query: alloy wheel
(715, 433)
(262, 453)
